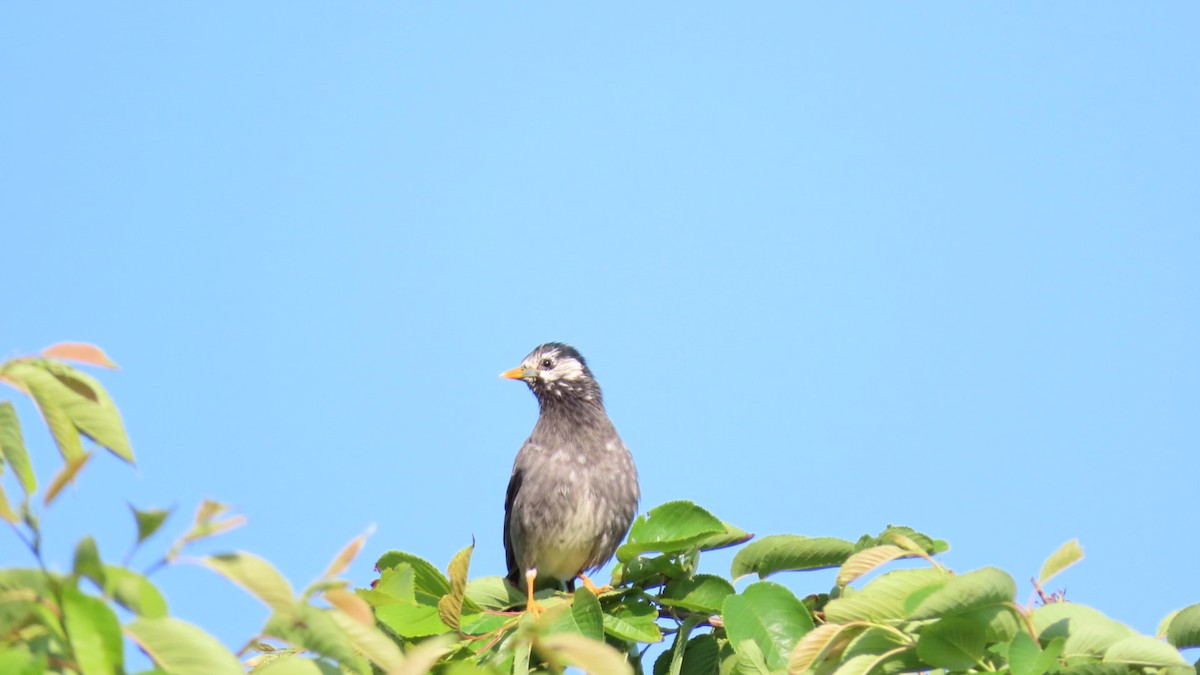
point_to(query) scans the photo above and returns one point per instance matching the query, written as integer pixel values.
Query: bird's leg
(531, 604)
(596, 590)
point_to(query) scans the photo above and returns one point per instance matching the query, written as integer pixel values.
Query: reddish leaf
(81, 352)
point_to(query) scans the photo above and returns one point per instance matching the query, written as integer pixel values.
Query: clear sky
(835, 267)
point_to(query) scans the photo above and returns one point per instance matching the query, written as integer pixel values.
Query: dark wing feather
(514, 485)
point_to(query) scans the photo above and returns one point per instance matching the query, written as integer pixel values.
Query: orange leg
(596, 590)
(531, 604)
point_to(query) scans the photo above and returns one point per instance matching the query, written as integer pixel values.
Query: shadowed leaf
(369, 640)
(980, 588)
(1183, 630)
(952, 643)
(450, 605)
(148, 521)
(883, 599)
(1144, 651)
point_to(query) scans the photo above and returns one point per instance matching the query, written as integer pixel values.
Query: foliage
(414, 618)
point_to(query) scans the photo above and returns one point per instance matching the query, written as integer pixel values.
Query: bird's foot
(532, 605)
(596, 590)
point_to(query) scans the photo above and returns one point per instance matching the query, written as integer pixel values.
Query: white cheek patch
(568, 369)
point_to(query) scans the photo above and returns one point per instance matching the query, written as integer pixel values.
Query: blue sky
(835, 267)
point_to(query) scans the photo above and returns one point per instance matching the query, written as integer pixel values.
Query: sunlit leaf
(883, 599)
(351, 605)
(62, 392)
(980, 588)
(80, 352)
(591, 656)
(1087, 631)
(12, 448)
(64, 476)
(673, 527)
(343, 559)
(411, 621)
(369, 640)
(451, 604)
(292, 664)
(428, 580)
(311, 628)
(1068, 554)
(94, 632)
(821, 642)
(584, 617)
(6, 511)
(420, 659)
(789, 552)
(866, 560)
(493, 593)
(257, 576)
(87, 561)
(1143, 651)
(180, 648)
(771, 616)
(134, 592)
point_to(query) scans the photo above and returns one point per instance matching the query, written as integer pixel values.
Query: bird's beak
(516, 374)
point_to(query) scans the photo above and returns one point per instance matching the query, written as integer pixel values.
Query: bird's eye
(547, 364)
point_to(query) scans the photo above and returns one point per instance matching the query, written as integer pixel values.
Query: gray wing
(514, 486)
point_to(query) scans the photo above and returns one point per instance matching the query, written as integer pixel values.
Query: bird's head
(556, 371)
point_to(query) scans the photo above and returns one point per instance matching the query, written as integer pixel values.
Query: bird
(574, 488)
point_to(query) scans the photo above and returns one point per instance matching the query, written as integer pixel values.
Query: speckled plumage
(573, 492)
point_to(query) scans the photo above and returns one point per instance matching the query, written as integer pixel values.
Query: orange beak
(515, 374)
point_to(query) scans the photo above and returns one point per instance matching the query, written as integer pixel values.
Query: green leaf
(866, 560)
(180, 648)
(1183, 631)
(1087, 631)
(311, 628)
(769, 615)
(1142, 651)
(12, 448)
(395, 584)
(789, 552)
(822, 642)
(256, 575)
(420, 659)
(750, 659)
(134, 592)
(148, 521)
(450, 605)
(887, 651)
(890, 536)
(369, 640)
(296, 665)
(94, 632)
(591, 656)
(883, 599)
(493, 593)
(1000, 623)
(980, 588)
(584, 617)
(428, 580)
(87, 561)
(76, 402)
(1068, 554)
(701, 656)
(35, 382)
(731, 536)
(634, 620)
(64, 476)
(673, 527)
(952, 643)
(411, 621)
(6, 511)
(20, 660)
(701, 593)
